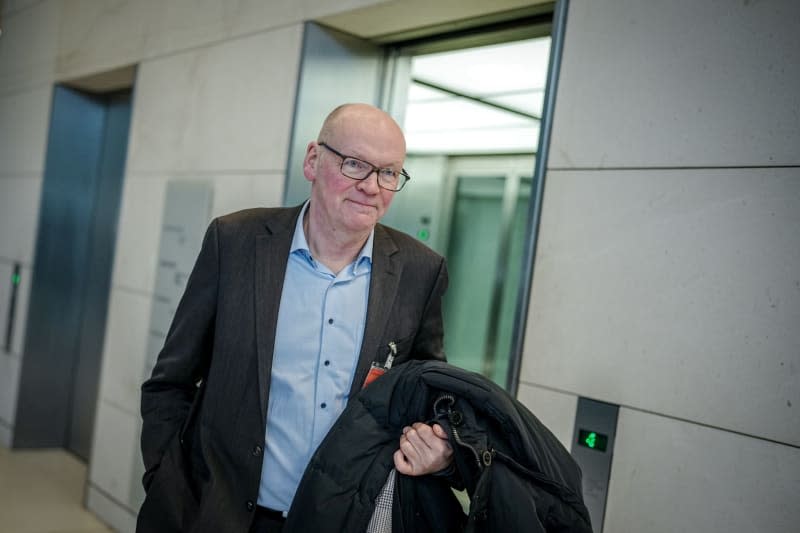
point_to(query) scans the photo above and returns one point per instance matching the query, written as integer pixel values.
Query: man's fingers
(439, 431)
(401, 464)
(409, 449)
(417, 438)
(424, 435)
(425, 438)
(423, 450)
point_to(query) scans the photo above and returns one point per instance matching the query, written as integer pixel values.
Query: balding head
(348, 119)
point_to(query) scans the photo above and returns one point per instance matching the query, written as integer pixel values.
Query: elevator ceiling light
(478, 100)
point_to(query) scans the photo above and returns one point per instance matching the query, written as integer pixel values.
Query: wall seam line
(664, 415)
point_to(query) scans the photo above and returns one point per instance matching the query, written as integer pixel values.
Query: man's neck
(333, 248)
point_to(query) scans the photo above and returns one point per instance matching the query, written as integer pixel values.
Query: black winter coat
(518, 475)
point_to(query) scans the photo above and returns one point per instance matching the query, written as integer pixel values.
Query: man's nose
(369, 184)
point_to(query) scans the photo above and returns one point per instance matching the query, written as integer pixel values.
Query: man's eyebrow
(392, 166)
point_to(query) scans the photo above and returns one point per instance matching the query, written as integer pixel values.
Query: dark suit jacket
(205, 406)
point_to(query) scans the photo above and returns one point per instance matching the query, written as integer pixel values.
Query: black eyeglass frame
(376, 170)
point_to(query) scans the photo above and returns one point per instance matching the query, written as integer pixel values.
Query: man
(282, 317)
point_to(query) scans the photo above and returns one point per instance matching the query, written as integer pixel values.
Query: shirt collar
(300, 244)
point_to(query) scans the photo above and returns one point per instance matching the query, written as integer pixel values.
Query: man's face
(346, 205)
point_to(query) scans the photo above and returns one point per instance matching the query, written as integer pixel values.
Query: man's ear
(310, 161)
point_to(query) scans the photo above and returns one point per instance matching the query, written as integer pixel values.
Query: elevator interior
(471, 117)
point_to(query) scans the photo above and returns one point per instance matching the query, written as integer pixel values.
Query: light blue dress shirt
(317, 342)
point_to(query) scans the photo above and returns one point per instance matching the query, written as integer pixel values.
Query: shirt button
(323, 405)
(327, 363)
(257, 450)
(250, 506)
(330, 321)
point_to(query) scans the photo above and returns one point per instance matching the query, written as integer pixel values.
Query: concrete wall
(667, 277)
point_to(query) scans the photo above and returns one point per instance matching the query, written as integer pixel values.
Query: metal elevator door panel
(484, 254)
(76, 236)
(508, 293)
(100, 262)
(335, 68)
(472, 261)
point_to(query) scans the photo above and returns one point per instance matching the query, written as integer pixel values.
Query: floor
(42, 491)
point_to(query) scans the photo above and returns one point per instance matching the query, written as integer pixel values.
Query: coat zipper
(451, 400)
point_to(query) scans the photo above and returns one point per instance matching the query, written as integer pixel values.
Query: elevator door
(76, 236)
(335, 68)
(486, 240)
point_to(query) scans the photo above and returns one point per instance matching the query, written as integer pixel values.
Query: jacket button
(456, 418)
(257, 450)
(250, 506)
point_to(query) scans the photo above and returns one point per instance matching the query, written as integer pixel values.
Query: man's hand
(423, 450)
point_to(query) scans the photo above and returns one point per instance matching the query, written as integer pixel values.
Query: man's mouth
(363, 205)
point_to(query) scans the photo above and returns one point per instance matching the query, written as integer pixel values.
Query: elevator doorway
(471, 116)
(76, 236)
(474, 94)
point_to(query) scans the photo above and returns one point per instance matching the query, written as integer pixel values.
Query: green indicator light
(423, 234)
(15, 279)
(592, 440)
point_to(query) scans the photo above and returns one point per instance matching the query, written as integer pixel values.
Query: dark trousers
(267, 521)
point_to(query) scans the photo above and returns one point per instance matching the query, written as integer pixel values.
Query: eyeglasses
(357, 169)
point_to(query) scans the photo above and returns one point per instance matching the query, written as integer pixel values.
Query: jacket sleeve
(429, 341)
(168, 394)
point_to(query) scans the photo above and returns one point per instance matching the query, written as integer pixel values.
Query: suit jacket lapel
(384, 282)
(272, 254)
